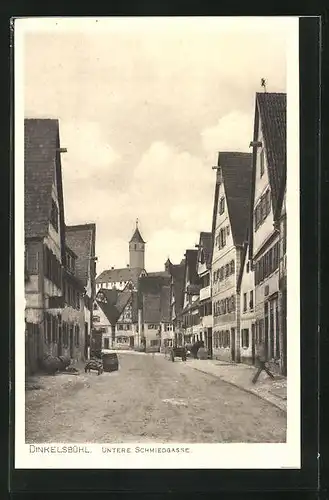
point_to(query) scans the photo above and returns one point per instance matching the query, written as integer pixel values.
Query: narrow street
(148, 399)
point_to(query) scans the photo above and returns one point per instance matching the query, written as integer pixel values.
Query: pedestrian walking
(262, 360)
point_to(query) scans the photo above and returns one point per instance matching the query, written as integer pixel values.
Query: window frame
(54, 215)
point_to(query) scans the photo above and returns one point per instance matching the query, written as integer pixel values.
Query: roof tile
(41, 141)
(237, 176)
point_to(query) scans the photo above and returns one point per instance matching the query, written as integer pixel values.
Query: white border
(212, 456)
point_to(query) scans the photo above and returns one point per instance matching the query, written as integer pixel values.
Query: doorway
(86, 341)
(60, 341)
(209, 342)
(131, 342)
(233, 344)
(253, 344)
(71, 341)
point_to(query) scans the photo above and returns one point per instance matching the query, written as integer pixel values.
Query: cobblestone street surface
(148, 399)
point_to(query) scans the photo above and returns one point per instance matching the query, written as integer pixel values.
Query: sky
(145, 105)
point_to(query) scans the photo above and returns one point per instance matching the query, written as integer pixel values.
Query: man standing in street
(262, 359)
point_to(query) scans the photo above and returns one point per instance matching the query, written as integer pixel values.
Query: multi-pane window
(54, 215)
(54, 328)
(223, 339)
(224, 272)
(267, 264)
(77, 335)
(153, 326)
(224, 306)
(262, 209)
(47, 327)
(65, 329)
(106, 343)
(245, 338)
(222, 205)
(262, 162)
(251, 301)
(244, 302)
(52, 267)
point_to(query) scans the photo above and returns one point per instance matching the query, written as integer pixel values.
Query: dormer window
(221, 205)
(262, 162)
(70, 263)
(54, 215)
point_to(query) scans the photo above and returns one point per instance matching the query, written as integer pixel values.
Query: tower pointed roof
(137, 237)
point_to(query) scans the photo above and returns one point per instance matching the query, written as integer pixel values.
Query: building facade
(177, 273)
(81, 239)
(246, 293)
(115, 317)
(153, 310)
(282, 223)
(269, 171)
(55, 315)
(44, 238)
(127, 277)
(192, 328)
(204, 273)
(230, 217)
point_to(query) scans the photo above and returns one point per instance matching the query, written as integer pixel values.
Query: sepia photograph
(156, 160)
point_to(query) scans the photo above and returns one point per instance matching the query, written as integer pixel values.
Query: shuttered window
(267, 264)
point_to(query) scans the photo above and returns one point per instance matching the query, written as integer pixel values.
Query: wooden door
(253, 343)
(233, 344)
(60, 341)
(71, 341)
(209, 342)
(86, 341)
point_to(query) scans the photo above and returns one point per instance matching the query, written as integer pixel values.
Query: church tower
(137, 250)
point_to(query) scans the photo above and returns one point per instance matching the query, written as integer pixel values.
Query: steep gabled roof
(116, 301)
(165, 304)
(178, 273)
(117, 275)
(134, 312)
(205, 246)
(151, 297)
(215, 207)
(81, 238)
(242, 263)
(161, 274)
(151, 308)
(153, 284)
(41, 164)
(136, 237)
(191, 266)
(272, 108)
(237, 175)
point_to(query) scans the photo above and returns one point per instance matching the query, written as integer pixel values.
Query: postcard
(156, 270)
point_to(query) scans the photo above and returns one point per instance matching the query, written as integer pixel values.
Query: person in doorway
(262, 360)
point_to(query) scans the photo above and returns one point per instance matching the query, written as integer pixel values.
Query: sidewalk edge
(242, 388)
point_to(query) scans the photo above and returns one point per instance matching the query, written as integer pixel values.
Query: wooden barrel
(110, 362)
